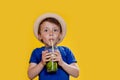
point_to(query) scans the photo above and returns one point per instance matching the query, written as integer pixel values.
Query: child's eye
(45, 30)
(55, 30)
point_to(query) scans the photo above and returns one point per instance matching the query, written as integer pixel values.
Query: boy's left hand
(57, 57)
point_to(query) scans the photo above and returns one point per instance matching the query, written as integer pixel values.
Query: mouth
(51, 39)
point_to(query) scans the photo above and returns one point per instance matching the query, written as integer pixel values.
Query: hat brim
(52, 15)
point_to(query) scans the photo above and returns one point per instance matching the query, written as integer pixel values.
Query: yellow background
(93, 34)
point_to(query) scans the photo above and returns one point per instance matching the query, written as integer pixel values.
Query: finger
(48, 54)
(46, 51)
(57, 53)
(45, 55)
(55, 60)
(48, 59)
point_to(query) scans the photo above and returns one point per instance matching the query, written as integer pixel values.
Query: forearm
(70, 69)
(34, 71)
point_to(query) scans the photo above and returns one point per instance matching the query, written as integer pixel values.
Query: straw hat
(52, 15)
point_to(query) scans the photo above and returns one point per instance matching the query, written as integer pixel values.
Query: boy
(50, 29)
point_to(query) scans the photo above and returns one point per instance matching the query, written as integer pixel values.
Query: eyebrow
(44, 27)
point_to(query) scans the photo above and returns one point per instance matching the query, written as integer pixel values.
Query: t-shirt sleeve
(70, 56)
(34, 57)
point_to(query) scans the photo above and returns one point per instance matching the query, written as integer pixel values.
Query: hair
(52, 20)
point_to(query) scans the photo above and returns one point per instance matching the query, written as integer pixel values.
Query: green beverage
(51, 66)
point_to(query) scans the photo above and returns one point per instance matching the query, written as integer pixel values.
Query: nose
(51, 33)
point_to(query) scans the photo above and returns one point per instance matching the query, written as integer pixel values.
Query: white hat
(51, 15)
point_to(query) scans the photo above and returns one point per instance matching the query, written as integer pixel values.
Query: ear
(39, 37)
(60, 36)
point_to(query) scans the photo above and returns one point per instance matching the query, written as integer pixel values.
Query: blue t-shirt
(67, 57)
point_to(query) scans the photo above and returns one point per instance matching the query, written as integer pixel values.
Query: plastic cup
(51, 66)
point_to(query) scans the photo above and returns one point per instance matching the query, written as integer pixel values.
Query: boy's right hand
(45, 57)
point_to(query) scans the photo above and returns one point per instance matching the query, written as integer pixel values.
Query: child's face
(49, 32)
